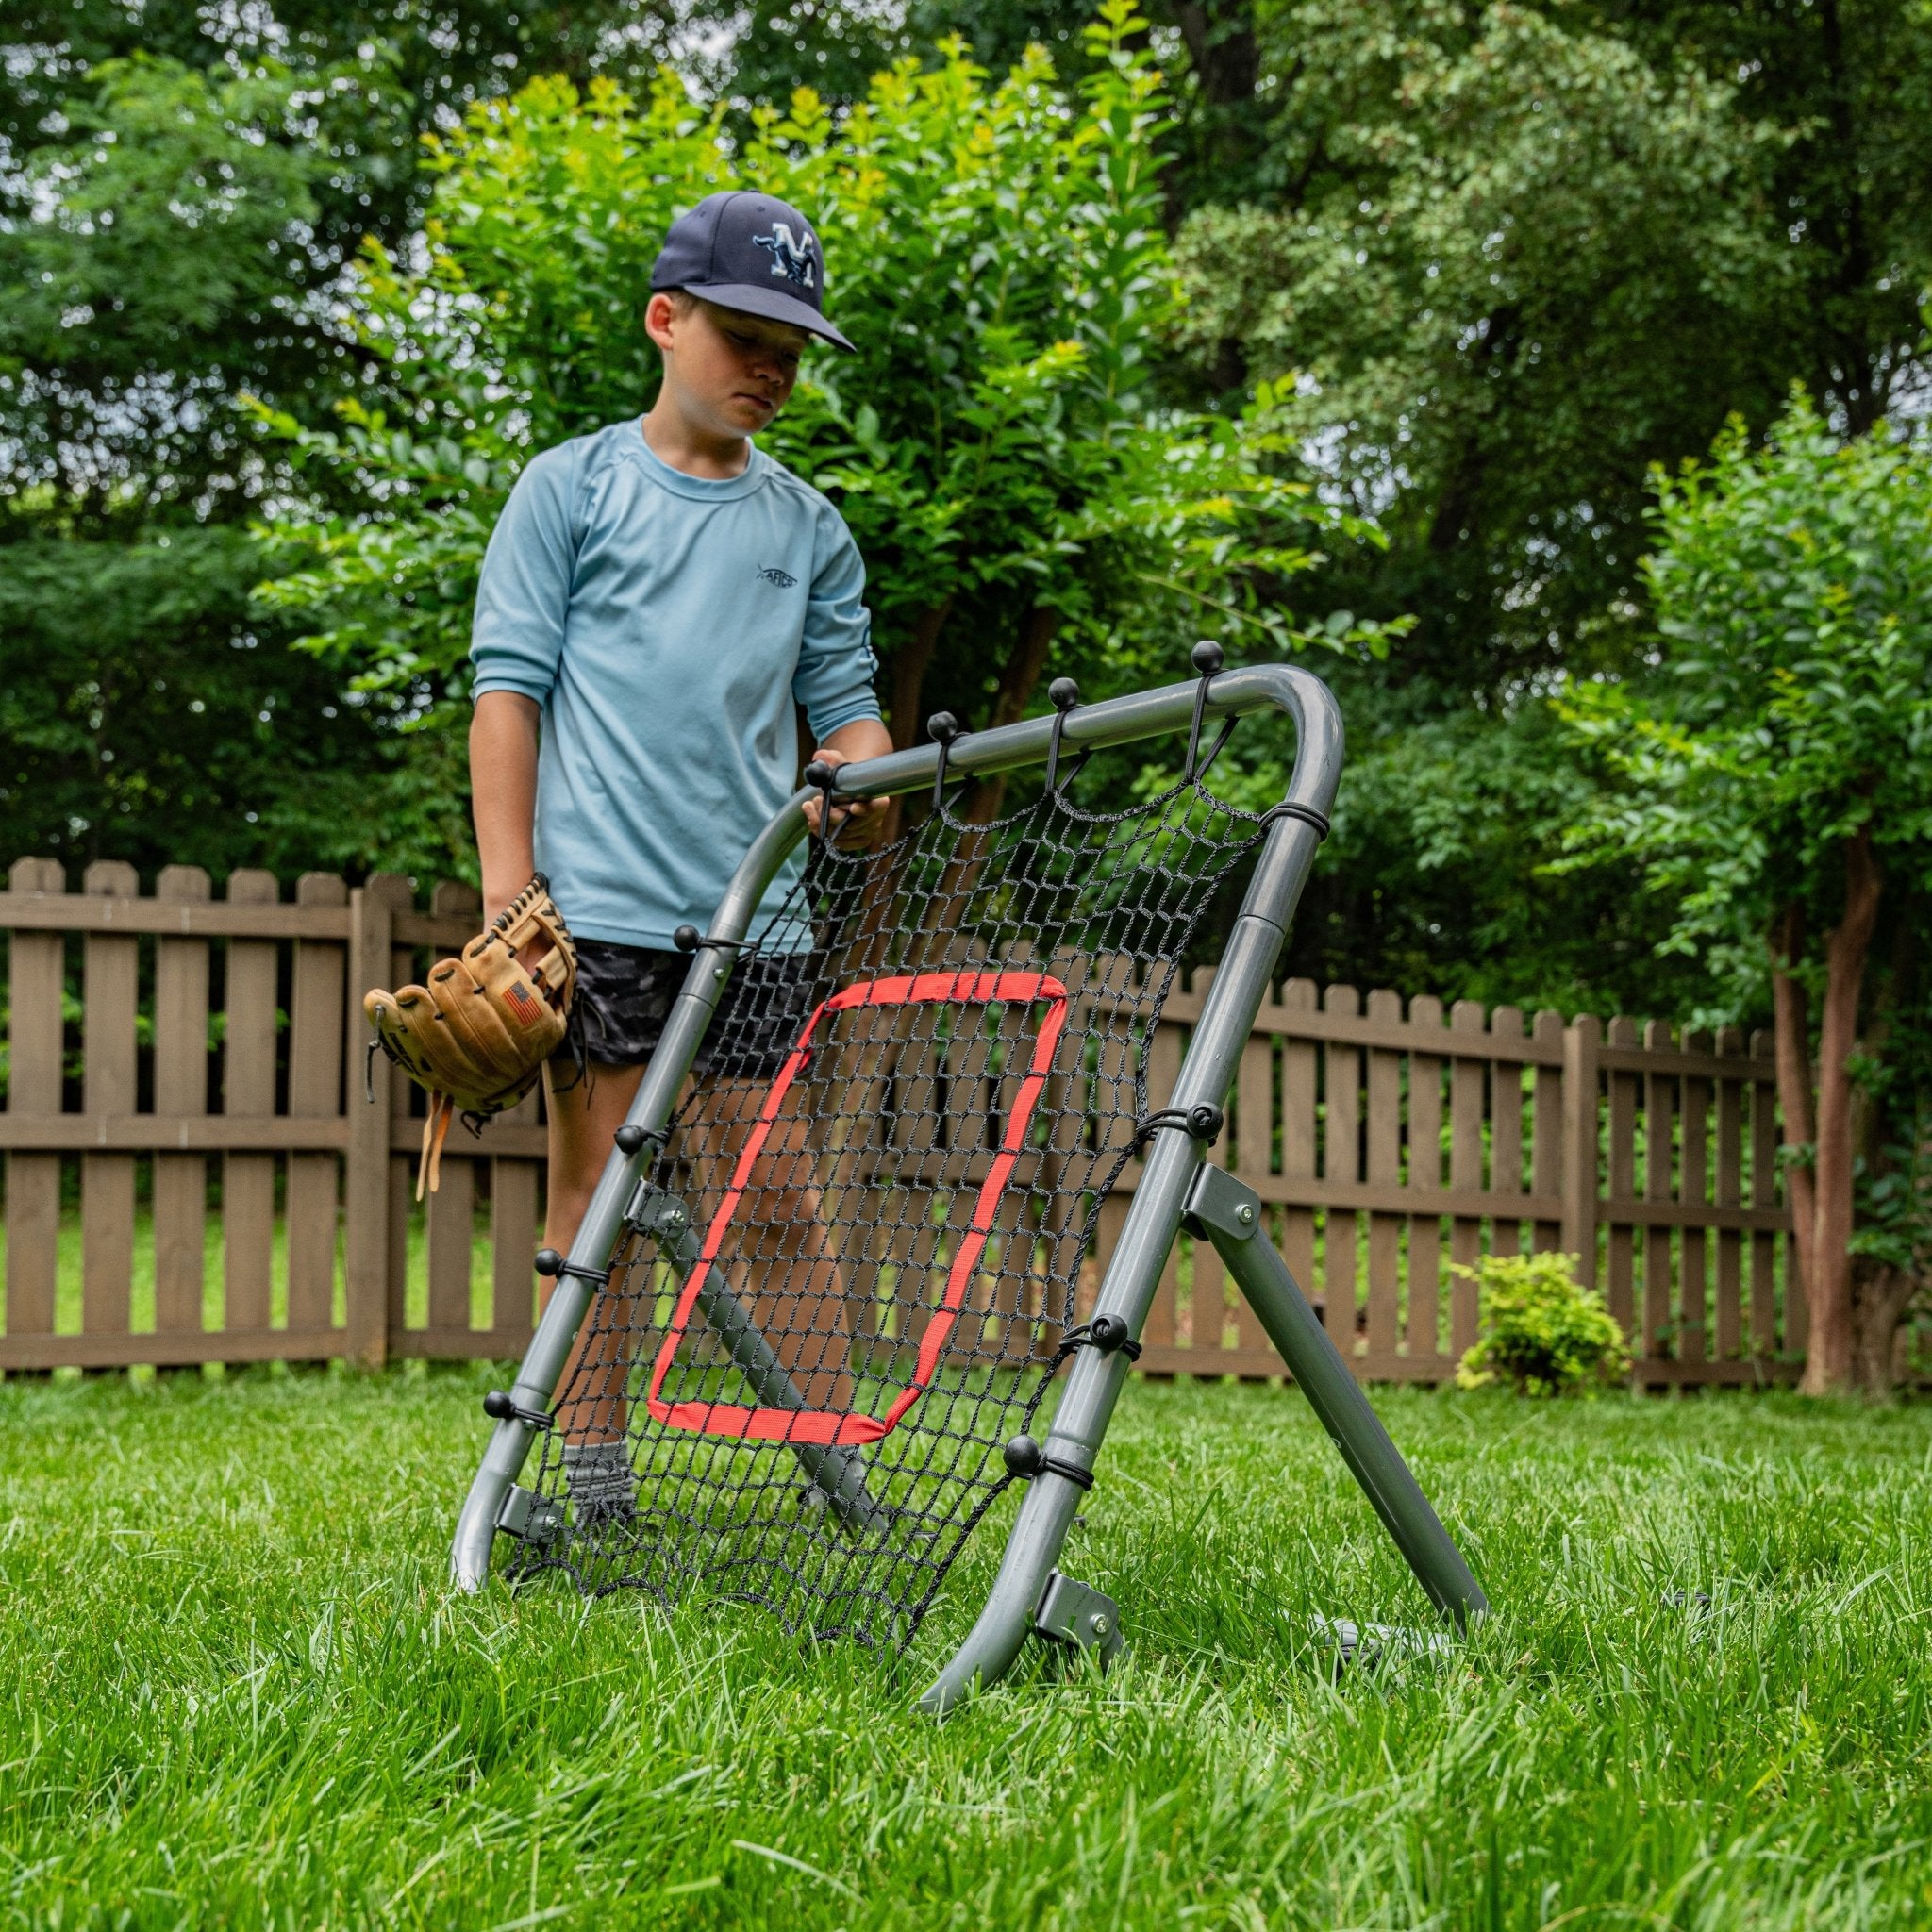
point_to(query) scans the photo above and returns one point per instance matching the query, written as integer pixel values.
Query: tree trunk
(1850, 363)
(1881, 1296)
(1224, 121)
(949, 912)
(1221, 48)
(1018, 679)
(1791, 1033)
(910, 664)
(1828, 1283)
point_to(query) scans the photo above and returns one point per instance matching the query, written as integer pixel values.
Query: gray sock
(603, 1489)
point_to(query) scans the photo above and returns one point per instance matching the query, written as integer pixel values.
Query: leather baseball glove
(477, 1035)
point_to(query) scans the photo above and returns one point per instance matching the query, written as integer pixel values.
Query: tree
(1502, 263)
(145, 714)
(1017, 490)
(180, 190)
(1849, 85)
(1436, 876)
(1516, 252)
(1778, 776)
(1512, 255)
(1509, 264)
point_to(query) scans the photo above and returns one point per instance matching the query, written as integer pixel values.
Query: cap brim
(769, 304)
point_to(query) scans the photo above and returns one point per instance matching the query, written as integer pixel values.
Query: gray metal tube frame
(1095, 1381)
(1337, 1399)
(548, 1356)
(1228, 1018)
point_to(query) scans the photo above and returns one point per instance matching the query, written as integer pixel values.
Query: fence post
(312, 1205)
(111, 987)
(181, 1088)
(372, 921)
(251, 997)
(1580, 1041)
(35, 1041)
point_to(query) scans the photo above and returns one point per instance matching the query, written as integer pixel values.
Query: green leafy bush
(1018, 488)
(1547, 1334)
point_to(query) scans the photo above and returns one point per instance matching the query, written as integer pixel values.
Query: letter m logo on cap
(792, 258)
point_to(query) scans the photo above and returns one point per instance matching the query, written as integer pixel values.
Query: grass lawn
(234, 1689)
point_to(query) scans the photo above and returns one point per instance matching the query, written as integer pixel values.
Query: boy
(653, 598)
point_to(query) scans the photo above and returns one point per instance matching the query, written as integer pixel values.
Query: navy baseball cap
(749, 252)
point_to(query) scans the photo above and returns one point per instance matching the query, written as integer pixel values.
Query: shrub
(1014, 481)
(1542, 1330)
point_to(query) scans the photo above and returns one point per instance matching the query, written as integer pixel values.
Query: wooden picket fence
(1396, 1150)
(217, 1056)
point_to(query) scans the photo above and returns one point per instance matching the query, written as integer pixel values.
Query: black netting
(929, 1069)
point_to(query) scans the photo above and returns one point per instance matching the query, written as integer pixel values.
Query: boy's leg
(783, 1256)
(780, 1256)
(779, 1259)
(583, 1119)
(585, 1116)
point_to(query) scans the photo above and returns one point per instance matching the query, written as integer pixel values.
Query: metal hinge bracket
(1077, 1613)
(1377, 1646)
(664, 1218)
(1218, 1201)
(530, 1518)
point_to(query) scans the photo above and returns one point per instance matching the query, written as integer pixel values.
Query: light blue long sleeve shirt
(666, 623)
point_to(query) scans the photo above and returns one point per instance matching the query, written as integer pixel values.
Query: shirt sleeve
(522, 594)
(836, 665)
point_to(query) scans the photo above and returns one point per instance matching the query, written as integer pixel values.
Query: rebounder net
(854, 1268)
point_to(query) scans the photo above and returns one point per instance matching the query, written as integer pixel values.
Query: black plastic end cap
(942, 727)
(1205, 657)
(1204, 1122)
(1109, 1333)
(1024, 1457)
(821, 775)
(1064, 692)
(629, 1139)
(500, 1406)
(549, 1263)
(686, 939)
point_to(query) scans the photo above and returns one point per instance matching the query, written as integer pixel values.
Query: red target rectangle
(738, 1422)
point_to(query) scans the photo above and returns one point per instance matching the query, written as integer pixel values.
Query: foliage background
(1493, 261)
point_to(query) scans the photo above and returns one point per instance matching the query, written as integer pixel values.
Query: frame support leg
(837, 1473)
(1229, 1215)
